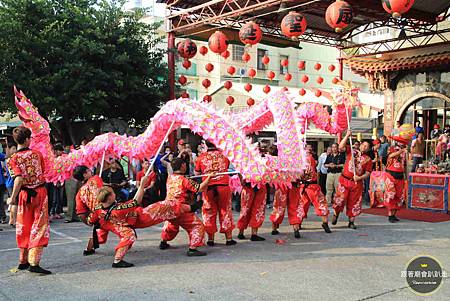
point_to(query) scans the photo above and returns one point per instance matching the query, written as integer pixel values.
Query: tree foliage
(81, 59)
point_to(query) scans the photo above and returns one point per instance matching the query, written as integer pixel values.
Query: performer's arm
(363, 177)
(205, 183)
(397, 153)
(141, 190)
(343, 143)
(18, 181)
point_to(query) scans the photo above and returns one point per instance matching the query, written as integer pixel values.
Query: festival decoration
(209, 67)
(339, 15)
(318, 93)
(218, 42)
(189, 49)
(206, 83)
(288, 77)
(301, 65)
(185, 95)
(207, 98)
(231, 70)
(293, 25)
(225, 54)
(227, 85)
(187, 64)
(250, 102)
(227, 132)
(284, 62)
(265, 60)
(305, 79)
(251, 73)
(248, 87)
(331, 68)
(246, 57)
(302, 92)
(266, 89)
(335, 80)
(319, 80)
(250, 34)
(182, 80)
(230, 100)
(180, 49)
(397, 7)
(203, 50)
(317, 66)
(270, 75)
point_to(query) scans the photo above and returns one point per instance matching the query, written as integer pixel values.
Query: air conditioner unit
(242, 71)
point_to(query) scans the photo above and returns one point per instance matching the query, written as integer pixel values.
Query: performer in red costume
(86, 202)
(396, 166)
(310, 192)
(253, 204)
(123, 218)
(217, 198)
(29, 193)
(350, 188)
(181, 190)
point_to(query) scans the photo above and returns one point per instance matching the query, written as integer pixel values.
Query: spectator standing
(71, 186)
(115, 178)
(417, 151)
(55, 191)
(334, 164)
(9, 182)
(2, 186)
(322, 170)
(383, 149)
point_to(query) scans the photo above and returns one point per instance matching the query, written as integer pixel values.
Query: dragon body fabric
(227, 132)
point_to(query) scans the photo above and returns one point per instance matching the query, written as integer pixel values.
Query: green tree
(84, 59)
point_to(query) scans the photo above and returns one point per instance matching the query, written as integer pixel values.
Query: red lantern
(180, 49)
(246, 57)
(203, 50)
(397, 7)
(209, 67)
(266, 89)
(248, 87)
(302, 92)
(189, 49)
(206, 83)
(305, 79)
(231, 70)
(207, 98)
(284, 89)
(251, 73)
(317, 66)
(227, 85)
(250, 102)
(293, 25)
(301, 65)
(270, 75)
(288, 76)
(218, 42)
(250, 34)
(185, 95)
(335, 80)
(339, 15)
(182, 80)
(265, 60)
(230, 100)
(284, 62)
(318, 93)
(319, 80)
(331, 68)
(187, 64)
(225, 54)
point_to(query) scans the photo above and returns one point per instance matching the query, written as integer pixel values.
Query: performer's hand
(356, 178)
(144, 181)
(8, 201)
(349, 133)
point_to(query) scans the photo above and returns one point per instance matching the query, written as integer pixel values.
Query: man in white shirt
(322, 170)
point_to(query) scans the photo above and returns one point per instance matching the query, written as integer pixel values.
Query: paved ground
(365, 264)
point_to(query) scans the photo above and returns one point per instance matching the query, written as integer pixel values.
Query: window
(238, 51)
(284, 70)
(261, 54)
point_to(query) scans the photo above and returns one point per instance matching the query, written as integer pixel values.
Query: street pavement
(362, 264)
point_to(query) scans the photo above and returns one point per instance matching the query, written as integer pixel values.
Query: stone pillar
(389, 113)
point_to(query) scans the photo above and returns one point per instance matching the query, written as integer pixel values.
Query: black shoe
(275, 232)
(241, 236)
(297, 234)
(23, 266)
(210, 243)
(196, 205)
(12, 226)
(88, 252)
(255, 237)
(396, 219)
(68, 221)
(39, 270)
(326, 227)
(392, 219)
(351, 225)
(230, 242)
(195, 252)
(335, 219)
(163, 245)
(122, 264)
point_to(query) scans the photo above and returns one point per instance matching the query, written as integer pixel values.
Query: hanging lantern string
(253, 18)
